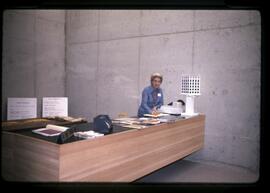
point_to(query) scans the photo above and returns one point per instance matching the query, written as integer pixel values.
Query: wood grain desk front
(119, 157)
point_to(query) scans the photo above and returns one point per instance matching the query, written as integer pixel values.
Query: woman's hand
(154, 111)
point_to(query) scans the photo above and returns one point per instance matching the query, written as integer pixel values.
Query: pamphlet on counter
(50, 130)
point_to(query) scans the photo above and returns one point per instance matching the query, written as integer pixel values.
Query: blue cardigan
(148, 103)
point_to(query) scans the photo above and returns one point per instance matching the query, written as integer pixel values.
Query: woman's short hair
(156, 75)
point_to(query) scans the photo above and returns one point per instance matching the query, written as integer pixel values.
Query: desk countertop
(80, 127)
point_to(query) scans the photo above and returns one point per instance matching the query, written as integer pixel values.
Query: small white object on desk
(190, 86)
(88, 134)
(171, 109)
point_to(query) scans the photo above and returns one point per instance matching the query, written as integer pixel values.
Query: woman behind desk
(152, 96)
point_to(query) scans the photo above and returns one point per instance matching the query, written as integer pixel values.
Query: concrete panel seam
(98, 55)
(193, 42)
(139, 59)
(35, 58)
(65, 65)
(162, 34)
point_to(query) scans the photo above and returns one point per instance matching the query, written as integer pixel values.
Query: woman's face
(156, 82)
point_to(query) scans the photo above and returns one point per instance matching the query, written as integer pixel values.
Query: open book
(50, 130)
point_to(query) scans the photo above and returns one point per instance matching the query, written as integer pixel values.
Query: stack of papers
(134, 126)
(139, 123)
(155, 115)
(129, 122)
(126, 120)
(151, 122)
(88, 134)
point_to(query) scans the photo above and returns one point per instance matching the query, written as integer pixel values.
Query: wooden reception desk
(119, 157)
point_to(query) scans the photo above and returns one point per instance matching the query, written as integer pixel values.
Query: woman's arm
(161, 100)
(144, 102)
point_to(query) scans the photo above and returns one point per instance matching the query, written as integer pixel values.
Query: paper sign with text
(21, 108)
(54, 106)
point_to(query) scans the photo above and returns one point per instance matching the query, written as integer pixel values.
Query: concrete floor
(209, 172)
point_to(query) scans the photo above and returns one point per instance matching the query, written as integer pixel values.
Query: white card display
(21, 108)
(54, 106)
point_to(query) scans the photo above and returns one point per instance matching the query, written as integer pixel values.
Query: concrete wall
(33, 62)
(111, 54)
(227, 54)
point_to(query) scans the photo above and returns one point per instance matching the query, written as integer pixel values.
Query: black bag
(103, 124)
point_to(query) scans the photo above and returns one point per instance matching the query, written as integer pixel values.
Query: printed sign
(21, 108)
(54, 106)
